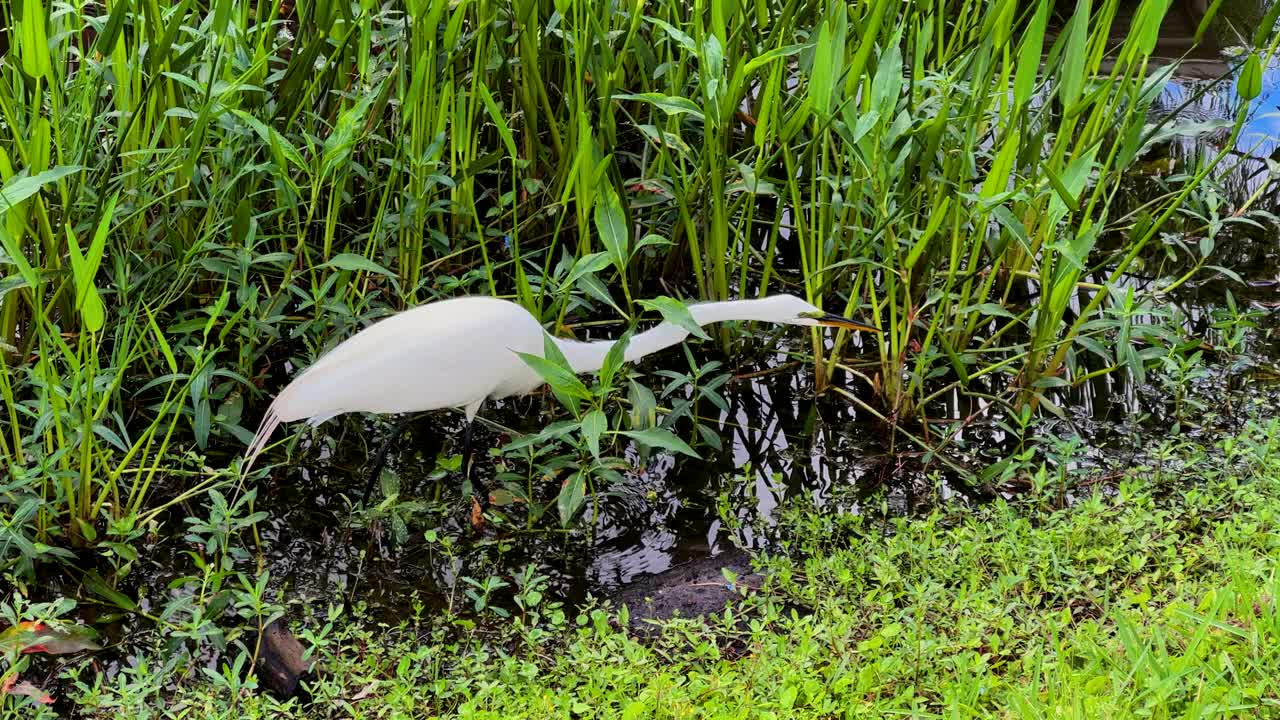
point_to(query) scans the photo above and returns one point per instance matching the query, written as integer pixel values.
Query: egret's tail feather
(270, 421)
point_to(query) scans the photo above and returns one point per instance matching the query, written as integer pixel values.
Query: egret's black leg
(477, 487)
(380, 458)
(466, 452)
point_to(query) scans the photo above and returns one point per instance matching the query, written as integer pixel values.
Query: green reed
(271, 176)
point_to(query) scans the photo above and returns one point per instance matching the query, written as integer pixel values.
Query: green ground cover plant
(1151, 595)
(198, 198)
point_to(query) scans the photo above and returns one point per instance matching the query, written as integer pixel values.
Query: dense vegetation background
(201, 197)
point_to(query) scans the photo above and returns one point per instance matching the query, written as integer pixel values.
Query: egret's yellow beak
(832, 320)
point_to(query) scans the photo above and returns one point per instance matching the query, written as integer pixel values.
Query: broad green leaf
(936, 218)
(271, 137)
(1262, 35)
(594, 424)
(662, 439)
(554, 431)
(356, 263)
(106, 42)
(670, 104)
(711, 69)
(571, 497)
(650, 239)
(559, 378)
(614, 358)
(989, 309)
(675, 312)
(585, 265)
(1011, 223)
(887, 84)
(1069, 186)
(14, 252)
(98, 586)
(998, 177)
(596, 288)
(868, 35)
(221, 15)
(828, 60)
(499, 120)
(1145, 30)
(21, 188)
(1071, 71)
(92, 313)
(551, 351)
(1249, 83)
(758, 61)
(273, 258)
(1029, 55)
(87, 296)
(33, 42)
(1002, 22)
(611, 226)
(676, 34)
(644, 406)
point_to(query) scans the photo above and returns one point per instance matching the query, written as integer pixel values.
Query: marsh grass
(198, 195)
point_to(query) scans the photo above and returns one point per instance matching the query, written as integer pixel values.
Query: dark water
(781, 445)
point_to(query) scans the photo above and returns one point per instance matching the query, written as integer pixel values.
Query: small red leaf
(37, 637)
(11, 686)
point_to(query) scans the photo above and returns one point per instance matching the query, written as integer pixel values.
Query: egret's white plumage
(460, 352)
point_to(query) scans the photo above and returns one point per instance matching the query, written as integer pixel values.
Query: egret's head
(792, 310)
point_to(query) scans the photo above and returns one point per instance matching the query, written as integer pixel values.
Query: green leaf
(614, 359)
(87, 297)
(571, 497)
(495, 114)
(1029, 55)
(989, 309)
(676, 34)
(111, 32)
(1249, 83)
(887, 84)
(98, 586)
(675, 312)
(650, 239)
(356, 263)
(711, 70)
(33, 39)
(274, 139)
(1071, 72)
(763, 59)
(644, 406)
(594, 424)
(612, 227)
(561, 379)
(661, 438)
(828, 60)
(14, 251)
(585, 265)
(997, 180)
(669, 104)
(21, 188)
(1262, 35)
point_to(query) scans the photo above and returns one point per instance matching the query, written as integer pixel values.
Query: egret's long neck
(589, 356)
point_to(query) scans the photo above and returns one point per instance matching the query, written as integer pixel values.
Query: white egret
(460, 352)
